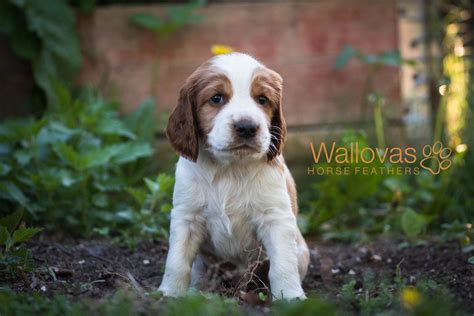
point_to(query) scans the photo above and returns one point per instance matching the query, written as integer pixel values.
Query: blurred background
(84, 79)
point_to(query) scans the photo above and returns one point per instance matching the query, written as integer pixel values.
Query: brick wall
(298, 39)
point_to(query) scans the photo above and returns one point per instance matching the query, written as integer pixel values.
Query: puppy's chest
(232, 216)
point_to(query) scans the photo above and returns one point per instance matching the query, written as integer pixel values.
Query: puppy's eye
(262, 100)
(217, 99)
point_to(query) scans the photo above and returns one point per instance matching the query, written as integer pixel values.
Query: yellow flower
(410, 297)
(221, 49)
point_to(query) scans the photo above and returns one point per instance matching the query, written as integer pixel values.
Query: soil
(97, 268)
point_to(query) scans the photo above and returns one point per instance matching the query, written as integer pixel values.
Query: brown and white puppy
(233, 191)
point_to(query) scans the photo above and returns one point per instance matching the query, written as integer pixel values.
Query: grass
(369, 298)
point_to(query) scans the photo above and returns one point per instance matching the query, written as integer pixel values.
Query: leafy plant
(389, 58)
(44, 33)
(426, 298)
(357, 206)
(175, 18)
(339, 201)
(375, 298)
(152, 219)
(70, 168)
(13, 257)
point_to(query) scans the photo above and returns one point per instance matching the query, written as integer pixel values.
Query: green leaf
(138, 194)
(412, 223)
(152, 186)
(19, 3)
(147, 21)
(68, 154)
(344, 57)
(63, 98)
(23, 234)
(103, 231)
(132, 151)
(98, 157)
(4, 235)
(113, 126)
(369, 58)
(142, 121)
(468, 248)
(23, 156)
(9, 191)
(391, 58)
(54, 133)
(5, 149)
(4, 169)
(11, 221)
(100, 200)
(59, 55)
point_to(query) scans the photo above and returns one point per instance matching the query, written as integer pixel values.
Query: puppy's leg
(186, 234)
(303, 256)
(279, 235)
(198, 271)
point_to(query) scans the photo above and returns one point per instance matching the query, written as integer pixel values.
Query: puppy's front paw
(289, 295)
(170, 291)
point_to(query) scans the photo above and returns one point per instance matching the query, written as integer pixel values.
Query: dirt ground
(96, 268)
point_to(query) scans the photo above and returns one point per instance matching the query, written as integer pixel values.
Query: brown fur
(268, 83)
(220, 84)
(193, 115)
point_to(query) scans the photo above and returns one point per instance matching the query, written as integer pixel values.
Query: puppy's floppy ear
(278, 124)
(182, 129)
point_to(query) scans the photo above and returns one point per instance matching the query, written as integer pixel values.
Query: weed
(14, 257)
(72, 168)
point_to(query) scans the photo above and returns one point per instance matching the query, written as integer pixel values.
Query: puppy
(233, 191)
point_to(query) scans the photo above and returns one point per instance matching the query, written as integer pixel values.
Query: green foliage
(370, 299)
(311, 306)
(175, 18)
(22, 304)
(43, 32)
(122, 303)
(387, 58)
(71, 169)
(13, 257)
(152, 218)
(357, 206)
(412, 223)
(376, 298)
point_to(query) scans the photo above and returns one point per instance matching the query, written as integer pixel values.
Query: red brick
(299, 39)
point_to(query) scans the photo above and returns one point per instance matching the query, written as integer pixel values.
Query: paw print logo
(436, 158)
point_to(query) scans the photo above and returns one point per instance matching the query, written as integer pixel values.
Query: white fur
(233, 206)
(239, 69)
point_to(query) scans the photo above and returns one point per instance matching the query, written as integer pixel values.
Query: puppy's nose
(245, 128)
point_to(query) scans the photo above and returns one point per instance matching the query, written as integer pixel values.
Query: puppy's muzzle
(245, 129)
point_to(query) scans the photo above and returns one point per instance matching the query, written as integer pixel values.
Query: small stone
(335, 270)
(376, 258)
(352, 272)
(146, 262)
(81, 261)
(43, 288)
(389, 260)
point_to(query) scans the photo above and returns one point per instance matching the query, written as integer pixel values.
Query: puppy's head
(232, 107)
